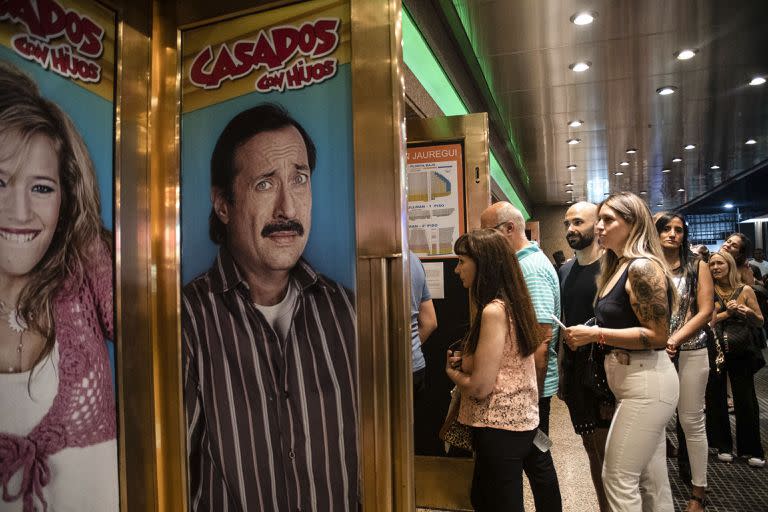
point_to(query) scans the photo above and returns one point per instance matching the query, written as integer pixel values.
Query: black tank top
(614, 311)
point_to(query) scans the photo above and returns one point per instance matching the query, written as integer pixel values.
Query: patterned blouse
(513, 403)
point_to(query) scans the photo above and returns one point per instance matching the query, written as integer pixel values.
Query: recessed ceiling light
(690, 147)
(643, 192)
(631, 151)
(715, 167)
(751, 141)
(583, 18)
(624, 163)
(581, 66)
(728, 205)
(666, 90)
(569, 191)
(666, 171)
(572, 166)
(573, 141)
(576, 123)
(570, 201)
(618, 173)
(677, 159)
(687, 53)
(659, 204)
(758, 80)
(681, 190)
(569, 184)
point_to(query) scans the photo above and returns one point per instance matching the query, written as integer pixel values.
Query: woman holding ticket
(632, 308)
(495, 372)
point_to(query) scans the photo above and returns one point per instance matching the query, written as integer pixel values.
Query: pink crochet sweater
(83, 411)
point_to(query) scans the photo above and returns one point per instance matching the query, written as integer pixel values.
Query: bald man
(543, 287)
(590, 412)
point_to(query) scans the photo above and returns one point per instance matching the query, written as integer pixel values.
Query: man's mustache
(283, 225)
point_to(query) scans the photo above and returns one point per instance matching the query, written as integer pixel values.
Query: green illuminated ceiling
(422, 62)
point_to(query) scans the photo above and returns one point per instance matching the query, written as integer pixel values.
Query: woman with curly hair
(58, 447)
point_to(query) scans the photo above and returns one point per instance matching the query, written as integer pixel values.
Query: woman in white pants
(634, 298)
(693, 282)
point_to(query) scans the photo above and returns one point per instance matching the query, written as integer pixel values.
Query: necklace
(17, 325)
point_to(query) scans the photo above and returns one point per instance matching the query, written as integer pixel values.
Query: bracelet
(600, 337)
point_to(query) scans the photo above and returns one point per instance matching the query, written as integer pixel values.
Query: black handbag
(736, 336)
(594, 371)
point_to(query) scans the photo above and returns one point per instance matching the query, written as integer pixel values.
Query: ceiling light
(728, 205)
(690, 147)
(570, 201)
(624, 163)
(758, 80)
(643, 192)
(751, 141)
(569, 184)
(580, 67)
(573, 141)
(686, 54)
(677, 159)
(715, 167)
(572, 166)
(618, 173)
(681, 190)
(583, 18)
(659, 204)
(631, 151)
(569, 191)
(576, 123)
(666, 90)
(666, 171)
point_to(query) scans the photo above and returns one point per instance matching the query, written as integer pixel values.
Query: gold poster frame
(152, 441)
(432, 473)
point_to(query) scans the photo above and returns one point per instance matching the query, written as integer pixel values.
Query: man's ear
(220, 204)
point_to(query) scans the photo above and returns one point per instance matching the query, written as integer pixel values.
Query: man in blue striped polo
(544, 289)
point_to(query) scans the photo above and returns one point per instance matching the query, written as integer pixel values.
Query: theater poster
(57, 126)
(267, 190)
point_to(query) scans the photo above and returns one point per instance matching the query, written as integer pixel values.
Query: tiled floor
(734, 487)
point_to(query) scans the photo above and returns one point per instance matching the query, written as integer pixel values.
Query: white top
(279, 316)
(82, 479)
(762, 265)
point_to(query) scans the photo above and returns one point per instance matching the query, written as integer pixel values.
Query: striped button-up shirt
(271, 424)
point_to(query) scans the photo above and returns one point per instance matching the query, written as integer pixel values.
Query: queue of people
(650, 329)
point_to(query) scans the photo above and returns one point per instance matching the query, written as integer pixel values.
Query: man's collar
(531, 248)
(225, 275)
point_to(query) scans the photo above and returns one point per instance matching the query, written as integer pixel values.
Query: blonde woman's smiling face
(30, 201)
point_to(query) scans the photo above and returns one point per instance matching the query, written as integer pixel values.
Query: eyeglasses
(497, 226)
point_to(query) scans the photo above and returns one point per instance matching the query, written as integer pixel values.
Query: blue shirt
(419, 294)
(544, 289)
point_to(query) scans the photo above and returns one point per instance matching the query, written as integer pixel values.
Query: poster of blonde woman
(58, 450)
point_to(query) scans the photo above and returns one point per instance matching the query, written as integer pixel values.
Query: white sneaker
(726, 457)
(756, 462)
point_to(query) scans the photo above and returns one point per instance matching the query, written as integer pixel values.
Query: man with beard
(590, 412)
(269, 344)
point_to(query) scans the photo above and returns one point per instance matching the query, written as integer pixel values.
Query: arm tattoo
(643, 339)
(649, 287)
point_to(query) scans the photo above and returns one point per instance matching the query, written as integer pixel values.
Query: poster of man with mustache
(268, 261)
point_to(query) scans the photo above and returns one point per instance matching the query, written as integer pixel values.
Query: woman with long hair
(635, 294)
(58, 445)
(736, 306)
(739, 246)
(688, 342)
(495, 371)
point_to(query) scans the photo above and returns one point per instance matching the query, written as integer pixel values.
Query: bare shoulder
(648, 290)
(643, 268)
(494, 311)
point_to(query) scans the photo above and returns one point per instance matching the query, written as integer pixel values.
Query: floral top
(514, 402)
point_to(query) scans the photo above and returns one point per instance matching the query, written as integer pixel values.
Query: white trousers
(694, 372)
(635, 468)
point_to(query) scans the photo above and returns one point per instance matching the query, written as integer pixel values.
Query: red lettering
(327, 32)
(265, 54)
(198, 74)
(307, 39)
(286, 41)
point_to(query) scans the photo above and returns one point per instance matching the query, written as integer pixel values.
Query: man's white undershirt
(279, 316)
